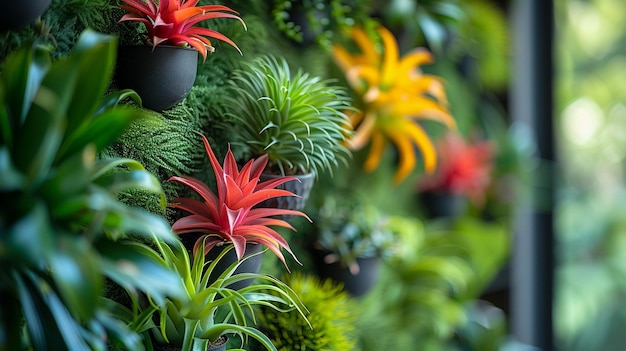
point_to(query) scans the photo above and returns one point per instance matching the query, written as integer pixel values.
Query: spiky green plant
(332, 318)
(297, 119)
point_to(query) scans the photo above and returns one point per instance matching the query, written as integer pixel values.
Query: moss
(332, 316)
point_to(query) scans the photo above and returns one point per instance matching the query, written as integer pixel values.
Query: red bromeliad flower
(464, 168)
(174, 22)
(231, 215)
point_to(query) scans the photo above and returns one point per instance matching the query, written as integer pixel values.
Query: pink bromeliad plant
(232, 214)
(174, 22)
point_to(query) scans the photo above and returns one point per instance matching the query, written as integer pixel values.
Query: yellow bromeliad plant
(394, 95)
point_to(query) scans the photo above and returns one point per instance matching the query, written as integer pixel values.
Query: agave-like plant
(299, 119)
(174, 22)
(232, 215)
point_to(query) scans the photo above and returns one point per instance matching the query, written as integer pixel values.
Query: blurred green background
(590, 50)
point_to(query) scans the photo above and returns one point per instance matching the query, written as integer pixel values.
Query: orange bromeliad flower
(395, 94)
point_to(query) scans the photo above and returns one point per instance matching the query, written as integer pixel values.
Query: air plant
(233, 215)
(174, 22)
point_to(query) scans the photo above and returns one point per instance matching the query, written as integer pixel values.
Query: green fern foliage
(332, 316)
(166, 144)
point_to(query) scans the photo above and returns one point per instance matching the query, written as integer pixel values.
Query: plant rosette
(210, 309)
(163, 71)
(298, 120)
(232, 215)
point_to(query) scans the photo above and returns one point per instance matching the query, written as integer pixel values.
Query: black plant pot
(249, 265)
(355, 284)
(437, 204)
(219, 345)
(162, 77)
(302, 188)
(18, 14)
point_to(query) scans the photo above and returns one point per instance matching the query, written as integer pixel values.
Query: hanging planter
(163, 71)
(442, 204)
(356, 283)
(162, 76)
(18, 14)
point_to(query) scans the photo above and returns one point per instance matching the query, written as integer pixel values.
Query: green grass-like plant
(297, 119)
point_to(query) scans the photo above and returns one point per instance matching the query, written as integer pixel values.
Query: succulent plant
(298, 119)
(351, 229)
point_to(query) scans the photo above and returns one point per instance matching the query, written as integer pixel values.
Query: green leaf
(33, 227)
(49, 323)
(190, 330)
(6, 128)
(218, 329)
(136, 266)
(39, 322)
(115, 98)
(140, 222)
(75, 269)
(119, 181)
(434, 32)
(37, 142)
(101, 131)
(22, 74)
(106, 165)
(10, 178)
(69, 179)
(118, 330)
(93, 58)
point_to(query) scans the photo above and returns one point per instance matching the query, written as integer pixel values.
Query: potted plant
(164, 71)
(203, 318)
(233, 215)
(350, 238)
(64, 232)
(463, 173)
(297, 119)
